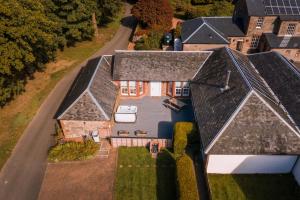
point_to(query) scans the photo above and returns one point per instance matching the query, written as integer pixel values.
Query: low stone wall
(139, 142)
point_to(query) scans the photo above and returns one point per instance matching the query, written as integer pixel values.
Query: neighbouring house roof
(92, 95)
(157, 65)
(272, 8)
(210, 30)
(278, 42)
(217, 112)
(289, 17)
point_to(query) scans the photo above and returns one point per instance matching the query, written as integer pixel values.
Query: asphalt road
(22, 175)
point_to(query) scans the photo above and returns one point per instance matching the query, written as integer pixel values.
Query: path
(22, 175)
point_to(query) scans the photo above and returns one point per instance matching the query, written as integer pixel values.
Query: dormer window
(291, 29)
(260, 22)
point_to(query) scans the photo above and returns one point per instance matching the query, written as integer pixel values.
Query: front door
(155, 89)
(239, 45)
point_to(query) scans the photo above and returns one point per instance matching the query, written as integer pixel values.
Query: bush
(184, 133)
(186, 179)
(73, 151)
(150, 42)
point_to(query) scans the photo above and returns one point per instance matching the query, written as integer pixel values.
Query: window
(260, 22)
(291, 29)
(185, 89)
(141, 88)
(132, 88)
(254, 41)
(178, 88)
(124, 88)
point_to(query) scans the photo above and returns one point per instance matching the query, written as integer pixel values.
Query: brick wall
(201, 47)
(284, 25)
(73, 130)
(291, 54)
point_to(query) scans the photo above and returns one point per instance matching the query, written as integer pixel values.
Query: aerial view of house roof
(269, 7)
(210, 30)
(92, 96)
(223, 116)
(279, 42)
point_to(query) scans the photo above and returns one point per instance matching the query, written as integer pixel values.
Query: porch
(153, 118)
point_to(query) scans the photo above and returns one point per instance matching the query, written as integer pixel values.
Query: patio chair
(123, 133)
(140, 133)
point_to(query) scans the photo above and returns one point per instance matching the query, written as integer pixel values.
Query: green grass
(17, 114)
(180, 6)
(254, 187)
(71, 151)
(141, 177)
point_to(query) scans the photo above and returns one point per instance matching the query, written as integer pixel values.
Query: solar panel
(282, 7)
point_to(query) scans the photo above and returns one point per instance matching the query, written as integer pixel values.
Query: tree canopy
(31, 31)
(153, 13)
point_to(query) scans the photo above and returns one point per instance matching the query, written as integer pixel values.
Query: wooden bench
(123, 133)
(174, 104)
(140, 133)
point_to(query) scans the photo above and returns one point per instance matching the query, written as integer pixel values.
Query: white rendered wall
(296, 171)
(250, 164)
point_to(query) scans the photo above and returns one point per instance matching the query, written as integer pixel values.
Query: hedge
(184, 133)
(186, 179)
(70, 151)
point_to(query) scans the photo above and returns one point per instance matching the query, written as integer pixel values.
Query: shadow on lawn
(268, 186)
(166, 176)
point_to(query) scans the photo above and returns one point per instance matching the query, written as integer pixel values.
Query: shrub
(73, 151)
(150, 42)
(186, 179)
(184, 133)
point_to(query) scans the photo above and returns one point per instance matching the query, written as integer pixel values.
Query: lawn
(256, 187)
(220, 8)
(17, 114)
(139, 176)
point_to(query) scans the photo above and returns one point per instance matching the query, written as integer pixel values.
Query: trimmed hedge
(73, 151)
(184, 133)
(186, 179)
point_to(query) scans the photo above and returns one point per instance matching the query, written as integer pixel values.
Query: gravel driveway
(91, 179)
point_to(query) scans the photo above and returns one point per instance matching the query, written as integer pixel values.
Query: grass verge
(17, 114)
(254, 186)
(141, 177)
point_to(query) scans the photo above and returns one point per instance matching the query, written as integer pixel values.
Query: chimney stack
(226, 86)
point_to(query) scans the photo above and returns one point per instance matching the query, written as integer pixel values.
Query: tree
(153, 13)
(106, 10)
(27, 42)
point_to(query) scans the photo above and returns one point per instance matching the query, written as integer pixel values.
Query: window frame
(124, 86)
(141, 87)
(291, 29)
(254, 41)
(260, 22)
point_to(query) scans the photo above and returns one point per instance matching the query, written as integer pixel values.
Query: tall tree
(154, 13)
(27, 41)
(74, 17)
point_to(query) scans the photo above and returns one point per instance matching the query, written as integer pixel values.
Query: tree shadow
(166, 175)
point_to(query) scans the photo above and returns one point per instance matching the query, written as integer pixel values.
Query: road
(22, 175)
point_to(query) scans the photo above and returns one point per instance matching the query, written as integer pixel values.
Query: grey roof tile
(157, 65)
(274, 41)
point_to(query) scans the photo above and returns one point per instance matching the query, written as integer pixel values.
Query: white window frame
(124, 86)
(141, 88)
(254, 41)
(185, 89)
(291, 29)
(260, 22)
(132, 88)
(178, 89)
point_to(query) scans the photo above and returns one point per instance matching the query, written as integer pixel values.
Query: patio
(153, 117)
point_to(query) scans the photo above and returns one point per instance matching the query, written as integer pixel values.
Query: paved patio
(154, 117)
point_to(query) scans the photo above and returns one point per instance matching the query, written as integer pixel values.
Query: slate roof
(274, 41)
(92, 95)
(209, 30)
(255, 7)
(283, 78)
(157, 65)
(214, 109)
(289, 17)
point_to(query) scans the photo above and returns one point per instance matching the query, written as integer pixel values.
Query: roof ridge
(97, 104)
(285, 112)
(256, 71)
